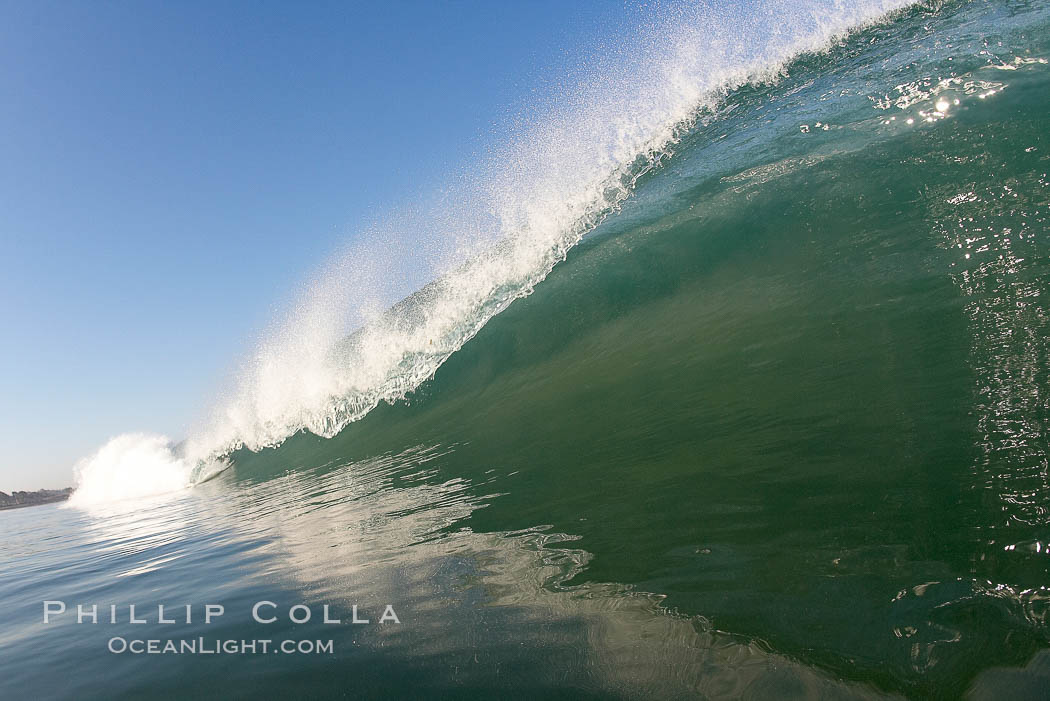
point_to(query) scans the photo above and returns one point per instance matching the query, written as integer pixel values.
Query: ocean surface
(754, 404)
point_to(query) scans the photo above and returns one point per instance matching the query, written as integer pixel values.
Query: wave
(544, 192)
(496, 231)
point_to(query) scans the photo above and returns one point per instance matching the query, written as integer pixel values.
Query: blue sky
(171, 172)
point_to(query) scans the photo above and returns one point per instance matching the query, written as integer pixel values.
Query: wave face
(758, 321)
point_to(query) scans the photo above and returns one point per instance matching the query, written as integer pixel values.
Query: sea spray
(129, 466)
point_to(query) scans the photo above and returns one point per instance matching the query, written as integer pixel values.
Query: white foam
(129, 466)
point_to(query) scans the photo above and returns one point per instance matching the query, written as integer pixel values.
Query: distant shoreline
(18, 500)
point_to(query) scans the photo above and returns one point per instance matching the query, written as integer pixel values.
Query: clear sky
(171, 172)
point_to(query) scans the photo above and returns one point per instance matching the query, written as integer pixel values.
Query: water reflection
(994, 231)
(489, 610)
(478, 611)
(999, 230)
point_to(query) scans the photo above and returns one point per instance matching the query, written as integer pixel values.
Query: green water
(777, 428)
